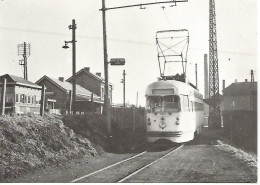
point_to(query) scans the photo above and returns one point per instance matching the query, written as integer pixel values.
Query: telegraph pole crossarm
(24, 50)
(143, 4)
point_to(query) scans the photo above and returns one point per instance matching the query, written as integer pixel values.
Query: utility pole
(206, 77)
(73, 27)
(135, 108)
(252, 90)
(104, 9)
(196, 75)
(24, 50)
(3, 96)
(136, 99)
(214, 108)
(106, 96)
(123, 110)
(123, 81)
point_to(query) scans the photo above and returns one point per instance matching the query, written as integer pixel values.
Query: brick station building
(58, 96)
(92, 82)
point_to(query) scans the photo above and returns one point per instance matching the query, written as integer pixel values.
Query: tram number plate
(162, 113)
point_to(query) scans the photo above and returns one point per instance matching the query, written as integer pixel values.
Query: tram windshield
(170, 103)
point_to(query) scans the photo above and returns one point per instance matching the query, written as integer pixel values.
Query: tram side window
(191, 105)
(199, 106)
(186, 103)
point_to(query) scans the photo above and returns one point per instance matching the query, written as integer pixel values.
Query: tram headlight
(177, 121)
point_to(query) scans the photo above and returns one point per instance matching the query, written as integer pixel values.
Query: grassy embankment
(31, 142)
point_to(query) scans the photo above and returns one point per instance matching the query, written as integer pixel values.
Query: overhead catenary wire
(117, 40)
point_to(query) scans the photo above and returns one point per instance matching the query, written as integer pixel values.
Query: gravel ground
(203, 160)
(197, 163)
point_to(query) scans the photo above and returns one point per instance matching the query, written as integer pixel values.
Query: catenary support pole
(196, 74)
(124, 88)
(106, 98)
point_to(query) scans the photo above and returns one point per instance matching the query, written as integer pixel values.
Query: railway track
(126, 169)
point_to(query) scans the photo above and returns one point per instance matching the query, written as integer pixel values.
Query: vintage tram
(174, 111)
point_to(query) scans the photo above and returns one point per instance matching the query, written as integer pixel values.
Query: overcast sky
(131, 35)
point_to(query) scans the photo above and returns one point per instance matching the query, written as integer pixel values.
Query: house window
(22, 98)
(33, 99)
(17, 98)
(25, 98)
(29, 99)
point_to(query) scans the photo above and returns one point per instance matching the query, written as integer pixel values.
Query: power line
(116, 40)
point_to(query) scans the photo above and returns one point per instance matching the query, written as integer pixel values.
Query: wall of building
(237, 102)
(10, 94)
(32, 103)
(92, 84)
(89, 83)
(14, 95)
(59, 95)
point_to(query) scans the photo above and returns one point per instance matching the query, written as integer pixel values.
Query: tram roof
(178, 87)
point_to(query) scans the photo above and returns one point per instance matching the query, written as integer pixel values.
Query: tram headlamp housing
(149, 122)
(177, 121)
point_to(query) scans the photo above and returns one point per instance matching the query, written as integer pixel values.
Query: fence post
(42, 101)
(70, 101)
(122, 120)
(231, 128)
(92, 103)
(134, 119)
(3, 97)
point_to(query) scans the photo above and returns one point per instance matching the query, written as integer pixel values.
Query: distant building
(22, 96)
(237, 96)
(92, 82)
(57, 96)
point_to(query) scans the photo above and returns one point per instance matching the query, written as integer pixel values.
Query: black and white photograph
(119, 91)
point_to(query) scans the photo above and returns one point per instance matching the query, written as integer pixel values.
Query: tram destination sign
(117, 61)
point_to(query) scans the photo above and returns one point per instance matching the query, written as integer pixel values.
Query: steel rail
(100, 170)
(137, 171)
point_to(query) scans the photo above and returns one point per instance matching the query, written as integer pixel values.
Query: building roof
(86, 71)
(66, 86)
(239, 88)
(17, 80)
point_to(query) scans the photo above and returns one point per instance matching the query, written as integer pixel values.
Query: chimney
(206, 77)
(87, 69)
(235, 80)
(223, 84)
(98, 74)
(245, 80)
(61, 79)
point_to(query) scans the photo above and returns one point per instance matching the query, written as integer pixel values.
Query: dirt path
(197, 163)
